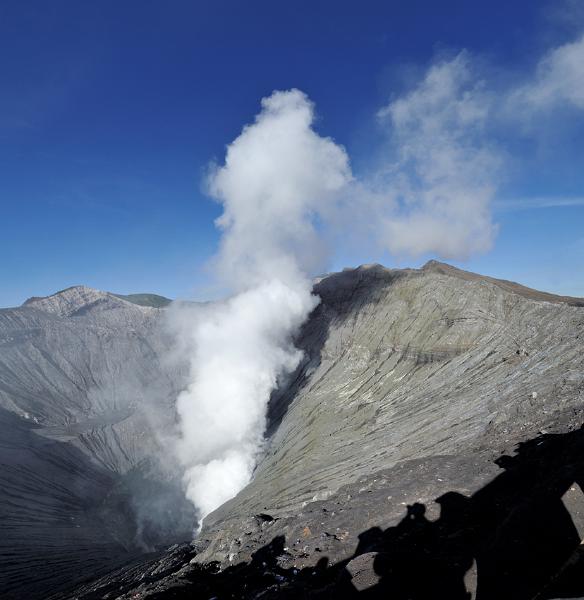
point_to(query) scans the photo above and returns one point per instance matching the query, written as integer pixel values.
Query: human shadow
(419, 558)
(516, 530)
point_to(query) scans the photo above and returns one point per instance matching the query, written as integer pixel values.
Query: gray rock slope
(413, 382)
(405, 365)
(82, 380)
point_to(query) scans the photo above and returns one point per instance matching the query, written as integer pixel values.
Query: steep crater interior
(86, 399)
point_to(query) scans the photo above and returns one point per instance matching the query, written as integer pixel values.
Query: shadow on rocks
(516, 538)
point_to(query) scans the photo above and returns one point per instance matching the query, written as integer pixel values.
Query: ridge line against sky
(110, 117)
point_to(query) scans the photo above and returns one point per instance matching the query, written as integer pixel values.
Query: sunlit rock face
(407, 365)
(84, 386)
(412, 383)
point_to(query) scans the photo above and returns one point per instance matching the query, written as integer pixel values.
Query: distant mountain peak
(68, 301)
(71, 300)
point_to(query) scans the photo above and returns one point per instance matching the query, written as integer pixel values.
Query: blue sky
(110, 113)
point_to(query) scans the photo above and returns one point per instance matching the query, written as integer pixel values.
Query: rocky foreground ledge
(517, 537)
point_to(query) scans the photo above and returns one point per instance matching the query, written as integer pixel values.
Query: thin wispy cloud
(447, 169)
(439, 189)
(558, 81)
(533, 203)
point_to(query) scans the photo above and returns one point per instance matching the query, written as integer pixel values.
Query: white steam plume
(277, 175)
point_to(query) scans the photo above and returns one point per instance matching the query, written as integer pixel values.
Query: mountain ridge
(413, 381)
(75, 297)
(158, 301)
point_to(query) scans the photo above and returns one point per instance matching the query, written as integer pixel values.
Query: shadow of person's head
(454, 507)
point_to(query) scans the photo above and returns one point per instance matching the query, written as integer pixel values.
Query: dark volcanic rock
(429, 445)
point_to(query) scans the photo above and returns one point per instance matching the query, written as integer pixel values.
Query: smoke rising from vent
(277, 175)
